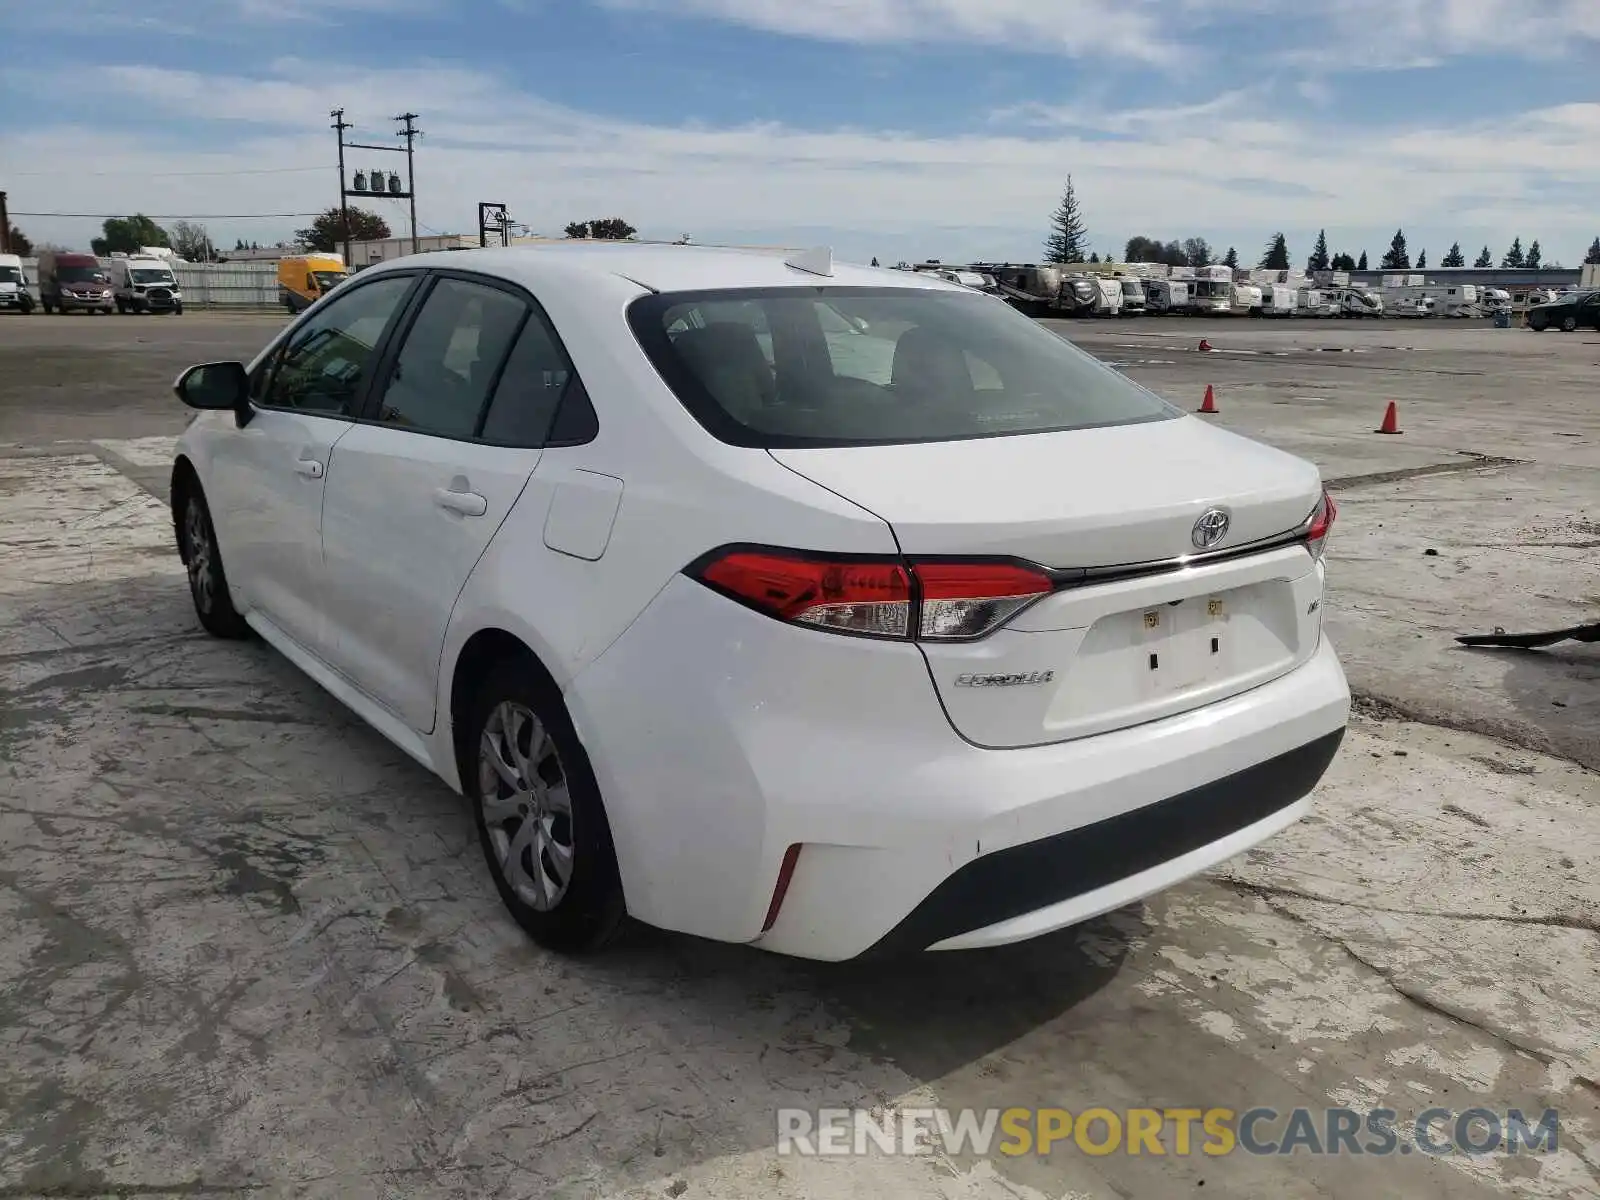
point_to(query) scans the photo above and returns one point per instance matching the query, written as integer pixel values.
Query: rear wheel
(208, 582)
(1569, 323)
(540, 818)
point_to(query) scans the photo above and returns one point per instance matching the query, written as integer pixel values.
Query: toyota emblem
(1210, 529)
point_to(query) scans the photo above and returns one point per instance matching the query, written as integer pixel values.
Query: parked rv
(1166, 296)
(1277, 300)
(145, 285)
(303, 279)
(69, 281)
(1359, 302)
(1132, 297)
(14, 294)
(1246, 299)
(1316, 302)
(1042, 290)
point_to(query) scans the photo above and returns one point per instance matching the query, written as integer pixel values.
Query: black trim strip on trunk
(1023, 879)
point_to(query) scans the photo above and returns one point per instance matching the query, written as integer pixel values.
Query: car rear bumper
(721, 738)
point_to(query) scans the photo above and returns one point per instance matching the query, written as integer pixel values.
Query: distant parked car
(14, 294)
(70, 281)
(1569, 312)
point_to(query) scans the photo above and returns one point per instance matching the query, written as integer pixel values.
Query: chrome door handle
(466, 504)
(309, 467)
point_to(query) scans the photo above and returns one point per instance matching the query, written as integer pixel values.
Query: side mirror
(218, 386)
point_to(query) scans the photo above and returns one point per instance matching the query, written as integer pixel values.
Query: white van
(14, 294)
(145, 285)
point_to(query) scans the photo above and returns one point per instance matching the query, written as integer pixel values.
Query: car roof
(662, 268)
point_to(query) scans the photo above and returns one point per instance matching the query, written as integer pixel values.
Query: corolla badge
(1210, 529)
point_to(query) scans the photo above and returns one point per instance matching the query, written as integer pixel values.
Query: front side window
(329, 356)
(827, 366)
(451, 359)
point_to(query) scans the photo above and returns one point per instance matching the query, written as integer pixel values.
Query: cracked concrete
(247, 947)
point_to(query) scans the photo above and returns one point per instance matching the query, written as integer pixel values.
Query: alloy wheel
(197, 532)
(527, 805)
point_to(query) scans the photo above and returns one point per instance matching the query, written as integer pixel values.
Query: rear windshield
(838, 366)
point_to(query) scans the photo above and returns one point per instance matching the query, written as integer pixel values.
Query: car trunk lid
(1145, 623)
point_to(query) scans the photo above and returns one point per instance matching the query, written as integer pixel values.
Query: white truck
(14, 293)
(145, 285)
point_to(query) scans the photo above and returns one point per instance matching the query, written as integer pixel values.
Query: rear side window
(836, 366)
(536, 378)
(451, 358)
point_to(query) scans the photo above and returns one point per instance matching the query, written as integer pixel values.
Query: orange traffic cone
(1204, 345)
(1209, 404)
(1391, 420)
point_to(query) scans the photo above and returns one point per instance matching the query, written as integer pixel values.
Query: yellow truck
(303, 279)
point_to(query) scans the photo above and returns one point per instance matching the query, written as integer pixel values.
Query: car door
(267, 479)
(420, 486)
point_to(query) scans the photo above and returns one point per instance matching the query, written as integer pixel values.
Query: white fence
(234, 285)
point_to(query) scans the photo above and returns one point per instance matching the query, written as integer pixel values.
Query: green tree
(1231, 258)
(1513, 256)
(1094, 256)
(1276, 255)
(1398, 258)
(1422, 261)
(124, 235)
(1197, 252)
(327, 233)
(608, 229)
(191, 241)
(1485, 259)
(1535, 257)
(1592, 259)
(1342, 262)
(21, 244)
(1455, 258)
(1362, 265)
(1067, 231)
(1319, 260)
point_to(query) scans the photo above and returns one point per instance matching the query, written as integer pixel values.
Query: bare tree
(191, 241)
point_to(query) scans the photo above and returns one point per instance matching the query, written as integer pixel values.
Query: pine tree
(1513, 256)
(1094, 257)
(1455, 258)
(1592, 259)
(1231, 258)
(1484, 260)
(1319, 260)
(1398, 258)
(1362, 265)
(1422, 260)
(1067, 231)
(1342, 262)
(874, 260)
(1276, 255)
(1535, 257)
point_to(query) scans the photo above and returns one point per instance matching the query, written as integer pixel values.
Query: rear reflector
(791, 858)
(933, 600)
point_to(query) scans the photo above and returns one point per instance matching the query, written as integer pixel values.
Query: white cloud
(1128, 28)
(1227, 168)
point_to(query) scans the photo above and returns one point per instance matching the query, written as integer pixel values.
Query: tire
(208, 582)
(519, 717)
(177, 310)
(1569, 324)
(1538, 322)
(46, 305)
(122, 307)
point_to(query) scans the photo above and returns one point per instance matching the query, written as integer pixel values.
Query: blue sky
(897, 128)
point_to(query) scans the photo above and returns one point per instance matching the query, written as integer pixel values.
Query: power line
(173, 216)
(165, 174)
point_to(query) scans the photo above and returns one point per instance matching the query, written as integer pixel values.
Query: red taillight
(950, 601)
(1319, 523)
(856, 597)
(967, 599)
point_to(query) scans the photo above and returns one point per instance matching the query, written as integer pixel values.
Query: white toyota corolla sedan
(832, 610)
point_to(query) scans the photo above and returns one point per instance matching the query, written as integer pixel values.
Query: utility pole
(344, 206)
(411, 133)
(5, 226)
